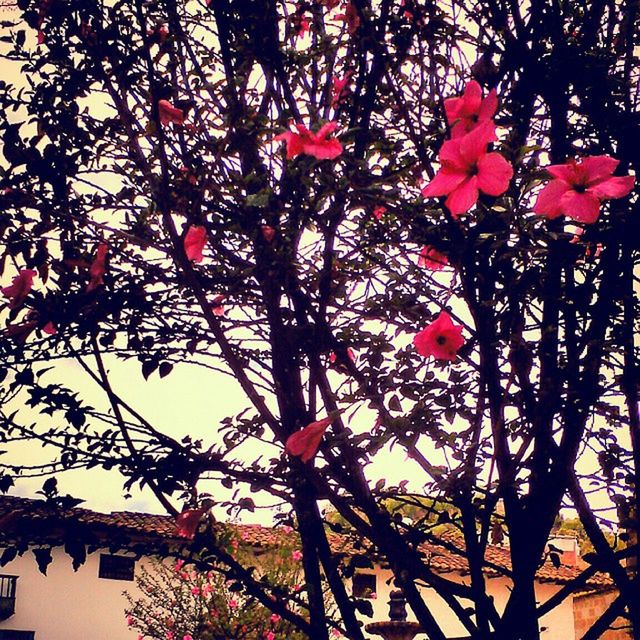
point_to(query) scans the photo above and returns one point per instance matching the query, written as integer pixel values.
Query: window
(7, 596)
(10, 634)
(116, 567)
(364, 585)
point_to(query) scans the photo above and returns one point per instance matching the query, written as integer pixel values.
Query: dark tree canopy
(145, 129)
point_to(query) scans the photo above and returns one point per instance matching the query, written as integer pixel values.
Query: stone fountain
(397, 627)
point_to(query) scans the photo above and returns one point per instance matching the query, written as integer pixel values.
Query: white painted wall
(68, 605)
(558, 624)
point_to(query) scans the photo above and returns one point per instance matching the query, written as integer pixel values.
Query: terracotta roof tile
(440, 558)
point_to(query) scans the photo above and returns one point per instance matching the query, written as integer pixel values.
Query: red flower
(168, 113)
(441, 339)
(268, 232)
(98, 268)
(333, 357)
(187, 522)
(580, 186)
(300, 24)
(50, 328)
(217, 307)
(379, 211)
(20, 332)
(340, 89)
(431, 258)
(468, 169)
(194, 242)
(304, 443)
(330, 4)
(351, 17)
(158, 35)
(19, 288)
(312, 144)
(466, 112)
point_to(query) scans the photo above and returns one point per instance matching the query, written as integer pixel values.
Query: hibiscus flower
(340, 89)
(467, 111)
(187, 522)
(580, 186)
(468, 169)
(305, 443)
(312, 144)
(19, 288)
(168, 113)
(441, 339)
(98, 268)
(194, 242)
(431, 258)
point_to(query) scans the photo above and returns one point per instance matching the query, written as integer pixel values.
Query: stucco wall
(589, 607)
(557, 624)
(68, 605)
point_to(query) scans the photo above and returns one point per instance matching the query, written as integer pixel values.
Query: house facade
(69, 604)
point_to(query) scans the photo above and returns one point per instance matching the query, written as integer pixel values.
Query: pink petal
(463, 198)
(325, 130)
(494, 174)
(194, 242)
(323, 150)
(471, 99)
(474, 145)
(566, 172)
(583, 207)
(450, 154)
(452, 107)
(598, 167)
(548, 202)
(616, 187)
(444, 182)
(489, 106)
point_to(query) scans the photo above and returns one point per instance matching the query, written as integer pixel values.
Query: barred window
(116, 567)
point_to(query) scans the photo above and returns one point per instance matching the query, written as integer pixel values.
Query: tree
(160, 207)
(181, 601)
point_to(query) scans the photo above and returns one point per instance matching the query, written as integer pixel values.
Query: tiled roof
(441, 559)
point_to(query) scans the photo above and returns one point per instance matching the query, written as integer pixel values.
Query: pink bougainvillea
(467, 111)
(379, 211)
(19, 288)
(440, 339)
(312, 144)
(468, 169)
(580, 186)
(304, 444)
(194, 242)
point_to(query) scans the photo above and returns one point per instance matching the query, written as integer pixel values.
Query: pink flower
(431, 258)
(98, 268)
(467, 169)
(312, 144)
(300, 24)
(50, 328)
(336, 633)
(129, 621)
(330, 4)
(340, 89)
(351, 17)
(179, 565)
(275, 618)
(296, 555)
(19, 288)
(214, 613)
(187, 522)
(466, 112)
(217, 307)
(195, 591)
(233, 603)
(287, 529)
(333, 357)
(580, 186)
(441, 339)
(304, 443)
(379, 211)
(187, 637)
(168, 113)
(194, 242)
(297, 587)
(158, 34)
(268, 233)
(269, 635)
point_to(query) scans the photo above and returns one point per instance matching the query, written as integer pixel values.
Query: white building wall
(68, 605)
(558, 624)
